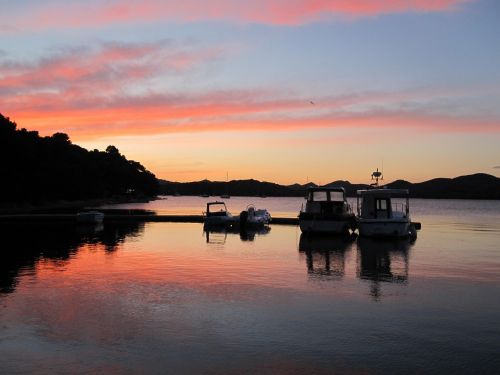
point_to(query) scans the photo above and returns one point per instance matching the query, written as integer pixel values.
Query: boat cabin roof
(319, 188)
(388, 193)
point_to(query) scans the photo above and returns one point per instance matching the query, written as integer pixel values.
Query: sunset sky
(278, 90)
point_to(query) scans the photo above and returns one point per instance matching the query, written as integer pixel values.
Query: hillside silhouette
(39, 169)
(475, 186)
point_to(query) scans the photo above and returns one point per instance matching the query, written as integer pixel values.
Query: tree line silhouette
(37, 169)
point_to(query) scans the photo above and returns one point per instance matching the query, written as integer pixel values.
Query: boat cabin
(380, 203)
(216, 209)
(326, 200)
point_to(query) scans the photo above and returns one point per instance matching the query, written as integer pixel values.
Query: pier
(126, 218)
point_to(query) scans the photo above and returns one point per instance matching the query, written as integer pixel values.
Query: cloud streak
(92, 92)
(77, 14)
(108, 64)
(191, 114)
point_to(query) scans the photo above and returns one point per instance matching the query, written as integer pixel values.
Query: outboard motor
(243, 218)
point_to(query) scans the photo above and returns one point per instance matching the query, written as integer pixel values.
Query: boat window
(319, 196)
(382, 204)
(382, 208)
(217, 207)
(336, 196)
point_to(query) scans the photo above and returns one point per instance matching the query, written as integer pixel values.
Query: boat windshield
(336, 196)
(319, 196)
(216, 207)
(325, 196)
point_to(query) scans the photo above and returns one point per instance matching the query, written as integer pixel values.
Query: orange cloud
(85, 124)
(275, 12)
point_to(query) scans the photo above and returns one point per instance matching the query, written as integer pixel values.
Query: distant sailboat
(226, 195)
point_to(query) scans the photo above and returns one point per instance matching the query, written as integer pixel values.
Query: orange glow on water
(141, 289)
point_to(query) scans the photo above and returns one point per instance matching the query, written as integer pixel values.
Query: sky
(277, 90)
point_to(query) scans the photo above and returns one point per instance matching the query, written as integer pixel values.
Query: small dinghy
(254, 217)
(89, 217)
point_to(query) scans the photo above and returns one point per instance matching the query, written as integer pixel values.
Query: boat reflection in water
(383, 260)
(325, 254)
(218, 234)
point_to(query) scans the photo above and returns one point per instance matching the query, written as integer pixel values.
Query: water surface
(171, 298)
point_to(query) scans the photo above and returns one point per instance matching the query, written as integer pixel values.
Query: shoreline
(120, 218)
(70, 206)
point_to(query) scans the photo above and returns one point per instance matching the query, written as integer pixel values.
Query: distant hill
(236, 188)
(476, 186)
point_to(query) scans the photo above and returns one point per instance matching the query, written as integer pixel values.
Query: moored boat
(385, 212)
(254, 217)
(217, 214)
(327, 211)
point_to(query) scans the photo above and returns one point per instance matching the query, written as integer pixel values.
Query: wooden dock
(24, 218)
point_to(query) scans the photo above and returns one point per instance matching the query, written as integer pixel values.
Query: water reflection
(25, 245)
(325, 255)
(217, 235)
(383, 260)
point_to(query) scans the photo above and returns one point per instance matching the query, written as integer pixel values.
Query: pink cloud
(89, 93)
(105, 69)
(274, 12)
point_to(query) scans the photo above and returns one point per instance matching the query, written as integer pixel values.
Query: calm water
(169, 298)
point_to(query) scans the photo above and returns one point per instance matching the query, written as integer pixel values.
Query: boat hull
(219, 220)
(332, 226)
(384, 228)
(254, 218)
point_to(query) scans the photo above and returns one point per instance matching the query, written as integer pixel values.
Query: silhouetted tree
(35, 169)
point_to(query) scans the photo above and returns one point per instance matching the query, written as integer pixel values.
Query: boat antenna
(377, 175)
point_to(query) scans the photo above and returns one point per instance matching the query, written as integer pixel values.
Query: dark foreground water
(170, 298)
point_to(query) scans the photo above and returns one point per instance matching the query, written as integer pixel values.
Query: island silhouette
(475, 186)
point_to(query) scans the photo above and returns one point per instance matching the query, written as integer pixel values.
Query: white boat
(254, 217)
(384, 212)
(89, 217)
(378, 216)
(217, 214)
(327, 211)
